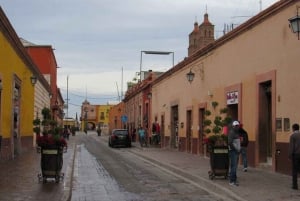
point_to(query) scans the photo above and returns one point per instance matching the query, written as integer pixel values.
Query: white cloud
(94, 39)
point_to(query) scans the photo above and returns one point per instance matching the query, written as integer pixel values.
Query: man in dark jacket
(244, 145)
(294, 154)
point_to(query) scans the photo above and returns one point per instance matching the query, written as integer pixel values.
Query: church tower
(201, 36)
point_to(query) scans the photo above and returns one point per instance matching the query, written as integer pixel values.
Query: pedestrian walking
(142, 136)
(155, 133)
(234, 145)
(294, 154)
(244, 144)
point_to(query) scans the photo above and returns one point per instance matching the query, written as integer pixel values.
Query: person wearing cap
(294, 154)
(234, 145)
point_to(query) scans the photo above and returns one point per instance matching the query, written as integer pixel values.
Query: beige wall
(267, 48)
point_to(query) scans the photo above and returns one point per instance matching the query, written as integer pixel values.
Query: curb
(67, 195)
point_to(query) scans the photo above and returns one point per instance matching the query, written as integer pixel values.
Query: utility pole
(67, 96)
(122, 85)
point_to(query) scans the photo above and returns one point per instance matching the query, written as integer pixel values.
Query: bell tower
(201, 36)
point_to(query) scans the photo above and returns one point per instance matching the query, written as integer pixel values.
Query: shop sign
(232, 98)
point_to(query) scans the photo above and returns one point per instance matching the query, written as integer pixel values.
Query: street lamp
(190, 76)
(33, 80)
(295, 23)
(155, 53)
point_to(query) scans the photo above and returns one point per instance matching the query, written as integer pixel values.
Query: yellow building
(103, 117)
(17, 73)
(95, 116)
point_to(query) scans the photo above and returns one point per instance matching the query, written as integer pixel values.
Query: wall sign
(232, 98)
(286, 124)
(278, 124)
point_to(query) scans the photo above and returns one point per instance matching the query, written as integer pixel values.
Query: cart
(51, 163)
(219, 162)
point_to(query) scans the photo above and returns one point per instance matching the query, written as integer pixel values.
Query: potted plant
(51, 146)
(213, 129)
(50, 134)
(36, 123)
(216, 140)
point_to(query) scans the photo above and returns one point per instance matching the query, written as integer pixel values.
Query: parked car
(119, 137)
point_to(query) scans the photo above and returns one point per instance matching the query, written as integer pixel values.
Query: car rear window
(121, 132)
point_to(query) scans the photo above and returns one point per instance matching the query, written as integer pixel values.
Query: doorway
(233, 111)
(162, 131)
(201, 118)
(265, 137)
(189, 130)
(174, 127)
(15, 135)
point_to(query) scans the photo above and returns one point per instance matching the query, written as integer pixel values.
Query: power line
(82, 96)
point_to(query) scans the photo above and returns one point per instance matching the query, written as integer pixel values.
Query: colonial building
(252, 71)
(137, 104)
(201, 36)
(20, 81)
(44, 58)
(95, 116)
(117, 118)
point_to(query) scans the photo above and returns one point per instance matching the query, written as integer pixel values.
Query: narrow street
(104, 173)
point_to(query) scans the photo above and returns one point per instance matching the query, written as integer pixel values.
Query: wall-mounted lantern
(149, 95)
(190, 76)
(33, 80)
(295, 23)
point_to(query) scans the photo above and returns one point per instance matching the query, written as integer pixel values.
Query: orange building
(43, 56)
(117, 118)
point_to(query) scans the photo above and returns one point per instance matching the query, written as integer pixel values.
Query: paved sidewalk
(19, 179)
(255, 185)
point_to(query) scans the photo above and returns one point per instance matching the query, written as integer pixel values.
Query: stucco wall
(268, 46)
(10, 66)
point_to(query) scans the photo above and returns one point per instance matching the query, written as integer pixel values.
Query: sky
(98, 43)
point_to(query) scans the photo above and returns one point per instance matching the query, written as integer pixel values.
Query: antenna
(260, 5)
(67, 96)
(85, 92)
(118, 91)
(121, 86)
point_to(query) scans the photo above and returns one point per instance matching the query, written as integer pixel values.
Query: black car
(119, 137)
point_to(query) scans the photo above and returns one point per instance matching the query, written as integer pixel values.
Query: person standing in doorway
(234, 145)
(294, 154)
(244, 145)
